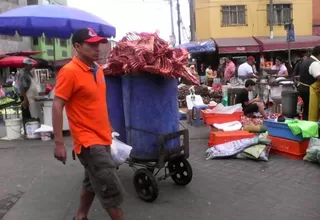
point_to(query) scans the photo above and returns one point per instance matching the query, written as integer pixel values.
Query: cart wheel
(182, 171)
(146, 185)
(151, 170)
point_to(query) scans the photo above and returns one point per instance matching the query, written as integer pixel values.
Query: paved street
(38, 187)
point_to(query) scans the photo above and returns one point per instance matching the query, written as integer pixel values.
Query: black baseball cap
(87, 35)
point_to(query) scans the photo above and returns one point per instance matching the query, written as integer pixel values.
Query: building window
(64, 53)
(282, 13)
(16, 2)
(63, 43)
(35, 41)
(11, 38)
(50, 52)
(48, 41)
(32, 2)
(233, 15)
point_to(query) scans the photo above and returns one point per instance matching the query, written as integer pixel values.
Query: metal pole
(179, 21)
(172, 20)
(192, 20)
(290, 28)
(271, 20)
(289, 52)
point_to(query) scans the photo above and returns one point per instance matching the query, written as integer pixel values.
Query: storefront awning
(280, 43)
(199, 46)
(237, 45)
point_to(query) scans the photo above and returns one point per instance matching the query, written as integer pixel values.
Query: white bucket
(47, 113)
(13, 128)
(45, 136)
(30, 129)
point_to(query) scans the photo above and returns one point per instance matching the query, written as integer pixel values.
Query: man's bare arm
(23, 92)
(57, 119)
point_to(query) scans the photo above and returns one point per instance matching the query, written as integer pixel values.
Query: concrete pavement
(280, 189)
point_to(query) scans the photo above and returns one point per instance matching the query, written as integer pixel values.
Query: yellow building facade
(247, 18)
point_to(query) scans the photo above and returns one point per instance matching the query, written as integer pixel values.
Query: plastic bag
(261, 155)
(229, 126)
(313, 151)
(230, 149)
(119, 151)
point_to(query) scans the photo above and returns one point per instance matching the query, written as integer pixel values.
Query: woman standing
(210, 74)
(281, 67)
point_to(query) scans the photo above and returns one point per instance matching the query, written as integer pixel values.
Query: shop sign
(241, 49)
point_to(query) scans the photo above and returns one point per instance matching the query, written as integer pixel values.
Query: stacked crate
(221, 137)
(284, 142)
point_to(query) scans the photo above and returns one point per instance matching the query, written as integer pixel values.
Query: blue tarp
(199, 46)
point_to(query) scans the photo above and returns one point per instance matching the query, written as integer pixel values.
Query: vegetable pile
(148, 53)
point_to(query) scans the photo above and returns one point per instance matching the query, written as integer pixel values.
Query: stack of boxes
(220, 137)
(284, 142)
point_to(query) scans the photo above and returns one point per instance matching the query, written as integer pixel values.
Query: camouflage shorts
(101, 176)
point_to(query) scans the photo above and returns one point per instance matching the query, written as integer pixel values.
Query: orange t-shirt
(84, 91)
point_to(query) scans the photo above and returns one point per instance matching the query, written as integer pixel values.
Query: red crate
(289, 148)
(284, 154)
(220, 137)
(210, 118)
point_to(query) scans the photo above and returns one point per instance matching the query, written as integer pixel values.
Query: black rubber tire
(145, 185)
(182, 169)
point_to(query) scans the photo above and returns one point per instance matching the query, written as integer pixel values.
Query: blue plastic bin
(281, 130)
(150, 109)
(115, 106)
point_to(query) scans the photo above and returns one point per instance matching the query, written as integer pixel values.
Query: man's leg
(255, 107)
(25, 115)
(86, 198)
(261, 110)
(104, 180)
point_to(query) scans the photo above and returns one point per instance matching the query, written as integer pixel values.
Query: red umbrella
(15, 62)
(23, 53)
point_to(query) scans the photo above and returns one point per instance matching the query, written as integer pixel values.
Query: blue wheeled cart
(150, 104)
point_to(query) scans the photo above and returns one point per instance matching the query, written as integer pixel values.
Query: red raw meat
(148, 53)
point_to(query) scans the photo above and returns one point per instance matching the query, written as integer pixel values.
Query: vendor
(230, 69)
(221, 68)
(11, 79)
(309, 87)
(28, 90)
(281, 67)
(245, 70)
(210, 75)
(250, 106)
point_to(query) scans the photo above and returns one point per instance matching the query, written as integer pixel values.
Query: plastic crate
(284, 154)
(210, 118)
(220, 137)
(281, 130)
(289, 148)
